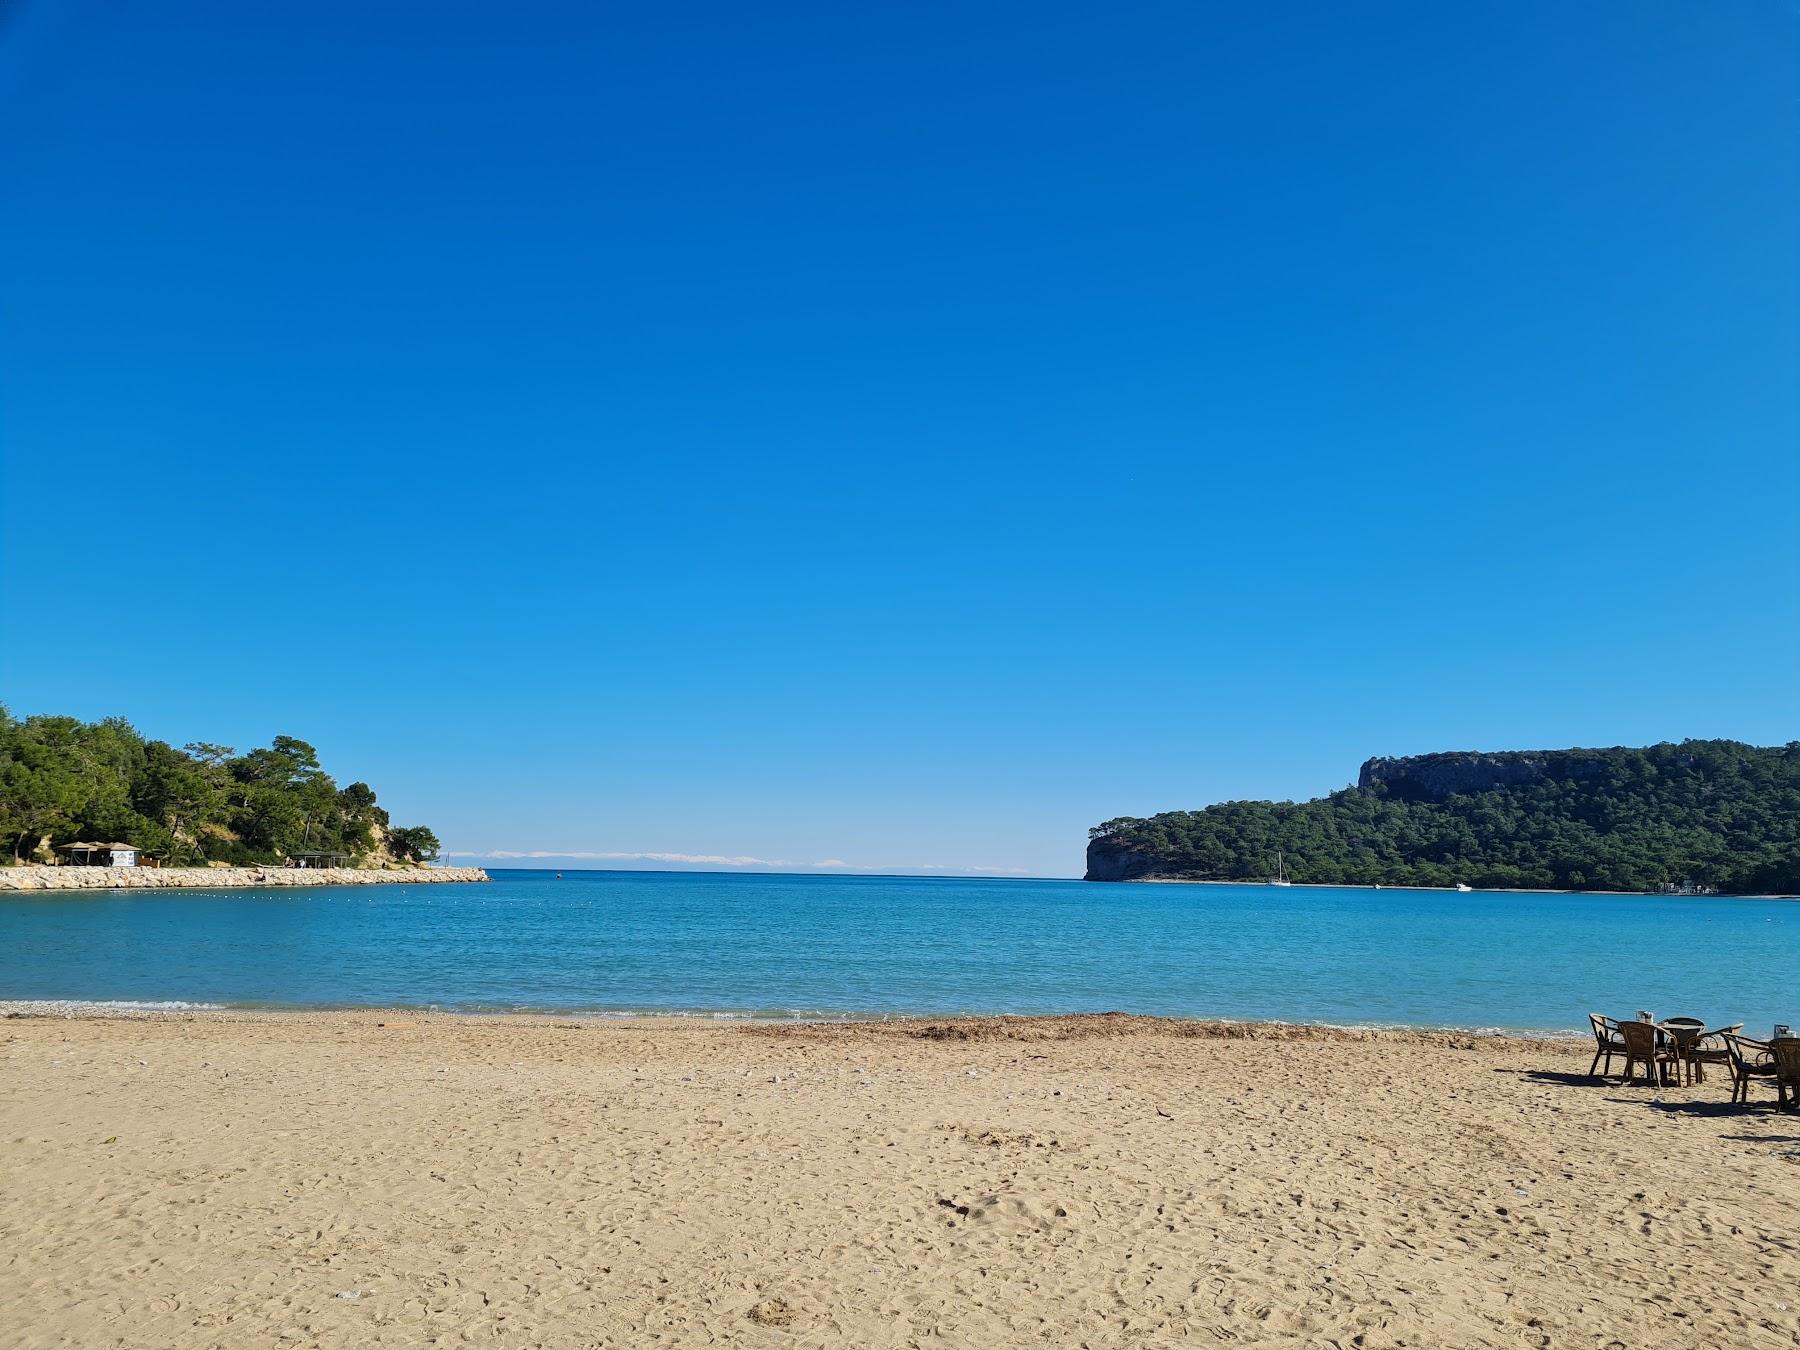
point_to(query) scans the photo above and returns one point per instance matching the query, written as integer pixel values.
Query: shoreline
(38, 877)
(944, 1026)
(1443, 890)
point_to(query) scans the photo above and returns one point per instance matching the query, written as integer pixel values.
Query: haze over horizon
(897, 441)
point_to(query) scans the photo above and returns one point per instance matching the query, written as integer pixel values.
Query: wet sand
(352, 1179)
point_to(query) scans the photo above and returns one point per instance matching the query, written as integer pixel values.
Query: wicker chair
(1709, 1047)
(1606, 1043)
(1684, 1037)
(1651, 1047)
(1786, 1053)
(1749, 1059)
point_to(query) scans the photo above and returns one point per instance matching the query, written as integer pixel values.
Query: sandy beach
(353, 1179)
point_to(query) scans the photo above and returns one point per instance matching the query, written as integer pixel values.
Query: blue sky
(897, 437)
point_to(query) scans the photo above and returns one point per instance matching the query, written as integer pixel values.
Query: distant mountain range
(1700, 815)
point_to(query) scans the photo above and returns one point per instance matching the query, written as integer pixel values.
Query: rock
(1107, 860)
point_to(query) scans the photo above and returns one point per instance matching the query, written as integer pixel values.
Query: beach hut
(324, 858)
(99, 855)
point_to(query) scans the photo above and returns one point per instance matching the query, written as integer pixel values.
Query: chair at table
(1786, 1053)
(1683, 1035)
(1709, 1047)
(1650, 1046)
(1606, 1043)
(1749, 1059)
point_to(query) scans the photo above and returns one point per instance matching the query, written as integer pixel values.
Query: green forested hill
(1713, 813)
(63, 779)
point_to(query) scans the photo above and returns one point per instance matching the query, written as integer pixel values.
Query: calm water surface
(807, 946)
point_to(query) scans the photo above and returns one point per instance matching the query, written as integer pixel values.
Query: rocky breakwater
(39, 878)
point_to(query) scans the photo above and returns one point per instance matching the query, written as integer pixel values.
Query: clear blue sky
(903, 435)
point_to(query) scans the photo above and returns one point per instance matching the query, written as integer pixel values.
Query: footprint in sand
(1011, 1213)
(771, 1312)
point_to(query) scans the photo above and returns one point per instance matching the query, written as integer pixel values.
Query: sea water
(820, 946)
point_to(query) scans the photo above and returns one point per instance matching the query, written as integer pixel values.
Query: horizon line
(770, 871)
(715, 860)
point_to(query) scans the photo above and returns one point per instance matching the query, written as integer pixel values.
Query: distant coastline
(1688, 818)
(1450, 890)
(34, 877)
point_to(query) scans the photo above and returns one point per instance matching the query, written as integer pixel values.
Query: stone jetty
(39, 878)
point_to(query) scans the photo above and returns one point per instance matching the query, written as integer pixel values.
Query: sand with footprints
(369, 1179)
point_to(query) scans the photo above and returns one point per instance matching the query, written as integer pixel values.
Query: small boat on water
(1461, 887)
(1280, 878)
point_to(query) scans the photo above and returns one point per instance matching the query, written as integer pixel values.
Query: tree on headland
(179, 793)
(414, 843)
(62, 779)
(288, 761)
(39, 795)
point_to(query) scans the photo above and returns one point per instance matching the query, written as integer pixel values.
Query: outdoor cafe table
(1686, 1032)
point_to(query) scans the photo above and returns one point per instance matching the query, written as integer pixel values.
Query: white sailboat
(1280, 877)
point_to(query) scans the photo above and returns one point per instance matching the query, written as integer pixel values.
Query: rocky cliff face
(1108, 860)
(1434, 777)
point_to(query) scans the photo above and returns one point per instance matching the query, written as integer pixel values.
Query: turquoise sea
(808, 946)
